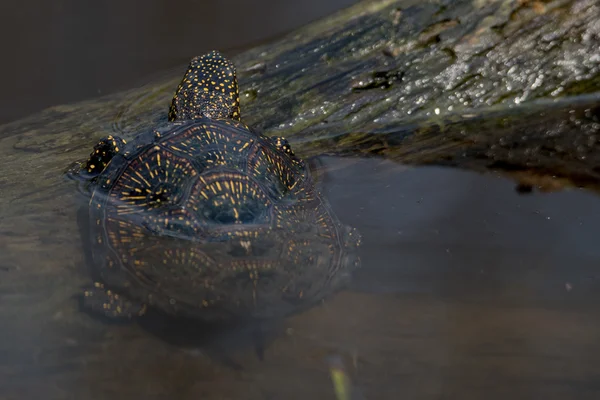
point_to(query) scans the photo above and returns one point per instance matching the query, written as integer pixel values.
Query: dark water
(66, 50)
(468, 290)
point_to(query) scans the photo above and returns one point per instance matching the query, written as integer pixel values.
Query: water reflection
(468, 290)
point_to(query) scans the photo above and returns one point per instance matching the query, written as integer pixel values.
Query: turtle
(321, 88)
(203, 217)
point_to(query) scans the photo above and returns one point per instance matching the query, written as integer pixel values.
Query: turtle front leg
(103, 301)
(103, 152)
(283, 145)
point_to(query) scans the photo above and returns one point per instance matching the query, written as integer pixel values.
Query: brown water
(468, 290)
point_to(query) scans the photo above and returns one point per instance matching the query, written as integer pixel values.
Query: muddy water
(468, 290)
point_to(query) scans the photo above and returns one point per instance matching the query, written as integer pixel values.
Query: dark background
(67, 50)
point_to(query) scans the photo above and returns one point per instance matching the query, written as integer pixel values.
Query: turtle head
(209, 89)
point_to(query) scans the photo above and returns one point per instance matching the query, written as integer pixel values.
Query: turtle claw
(110, 304)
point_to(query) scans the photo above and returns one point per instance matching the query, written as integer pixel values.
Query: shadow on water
(468, 290)
(218, 342)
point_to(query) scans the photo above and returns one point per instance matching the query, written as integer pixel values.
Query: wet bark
(385, 66)
(479, 85)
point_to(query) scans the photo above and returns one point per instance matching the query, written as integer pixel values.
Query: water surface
(468, 290)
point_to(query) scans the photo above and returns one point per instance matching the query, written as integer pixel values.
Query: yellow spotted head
(209, 89)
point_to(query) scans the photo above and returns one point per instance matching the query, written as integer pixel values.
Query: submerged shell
(209, 219)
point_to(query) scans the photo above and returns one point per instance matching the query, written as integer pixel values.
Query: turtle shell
(209, 219)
